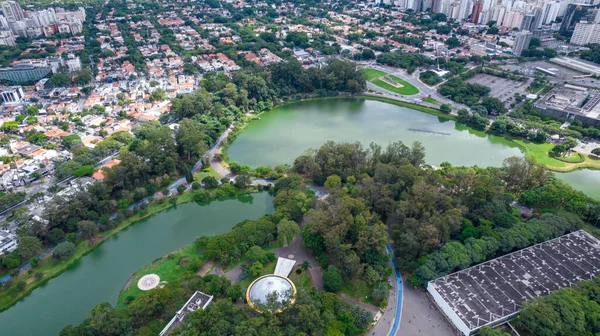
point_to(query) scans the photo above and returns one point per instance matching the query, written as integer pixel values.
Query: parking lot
(502, 88)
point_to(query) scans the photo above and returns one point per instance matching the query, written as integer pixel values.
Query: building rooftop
(496, 290)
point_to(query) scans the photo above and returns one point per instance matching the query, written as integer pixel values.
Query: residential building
(585, 33)
(522, 40)
(13, 94)
(24, 73)
(7, 38)
(477, 8)
(12, 11)
(8, 242)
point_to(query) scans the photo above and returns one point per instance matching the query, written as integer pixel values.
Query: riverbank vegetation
(45, 267)
(146, 313)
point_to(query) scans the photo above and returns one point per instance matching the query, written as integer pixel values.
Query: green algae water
(100, 276)
(288, 130)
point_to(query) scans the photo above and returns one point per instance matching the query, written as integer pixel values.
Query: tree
(255, 269)
(71, 237)
(379, 292)
(445, 108)
(87, 229)
(83, 77)
(64, 251)
(210, 182)
(29, 247)
(71, 141)
(158, 95)
(21, 285)
(11, 260)
(287, 230)
(305, 265)
(242, 181)
(84, 171)
(367, 54)
(452, 42)
(257, 254)
(55, 236)
(332, 279)
(333, 182)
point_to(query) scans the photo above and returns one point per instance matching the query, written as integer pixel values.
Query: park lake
(100, 276)
(279, 137)
(287, 131)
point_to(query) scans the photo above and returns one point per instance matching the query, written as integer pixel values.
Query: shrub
(38, 275)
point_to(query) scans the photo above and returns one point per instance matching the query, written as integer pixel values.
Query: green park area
(541, 153)
(390, 82)
(169, 268)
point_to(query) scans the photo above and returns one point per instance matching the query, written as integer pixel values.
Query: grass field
(374, 76)
(431, 101)
(168, 268)
(372, 73)
(540, 153)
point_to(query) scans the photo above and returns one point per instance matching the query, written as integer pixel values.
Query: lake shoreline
(525, 149)
(62, 267)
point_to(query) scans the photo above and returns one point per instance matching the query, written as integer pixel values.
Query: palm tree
(305, 265)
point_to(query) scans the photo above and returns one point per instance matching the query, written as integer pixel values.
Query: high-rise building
(477, 8)
(576, 13)
(586, 33)
(522, 40)
(12, 10)
(527, 22)
(7, 38)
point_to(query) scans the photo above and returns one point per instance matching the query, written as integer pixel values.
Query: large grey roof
(496, 289)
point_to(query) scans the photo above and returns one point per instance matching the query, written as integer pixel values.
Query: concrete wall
(458, 323)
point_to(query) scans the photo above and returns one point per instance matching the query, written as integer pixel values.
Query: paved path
(420, 316)
(363, 305)
(300, 254)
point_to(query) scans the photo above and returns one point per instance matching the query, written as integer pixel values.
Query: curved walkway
(398, 309)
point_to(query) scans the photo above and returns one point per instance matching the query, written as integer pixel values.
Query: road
(414, 80)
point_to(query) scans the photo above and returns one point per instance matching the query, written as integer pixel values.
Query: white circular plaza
(148, 281)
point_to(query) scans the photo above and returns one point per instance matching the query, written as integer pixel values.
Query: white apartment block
(8, 242)
(586, 33)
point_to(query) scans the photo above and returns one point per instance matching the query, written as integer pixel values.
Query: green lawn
(431, 101)
(372, 73)
(540, 153)
(373, 76)
(202, 174)
(168, 268)
(301, 280)
(417, 107)
(358, 290)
